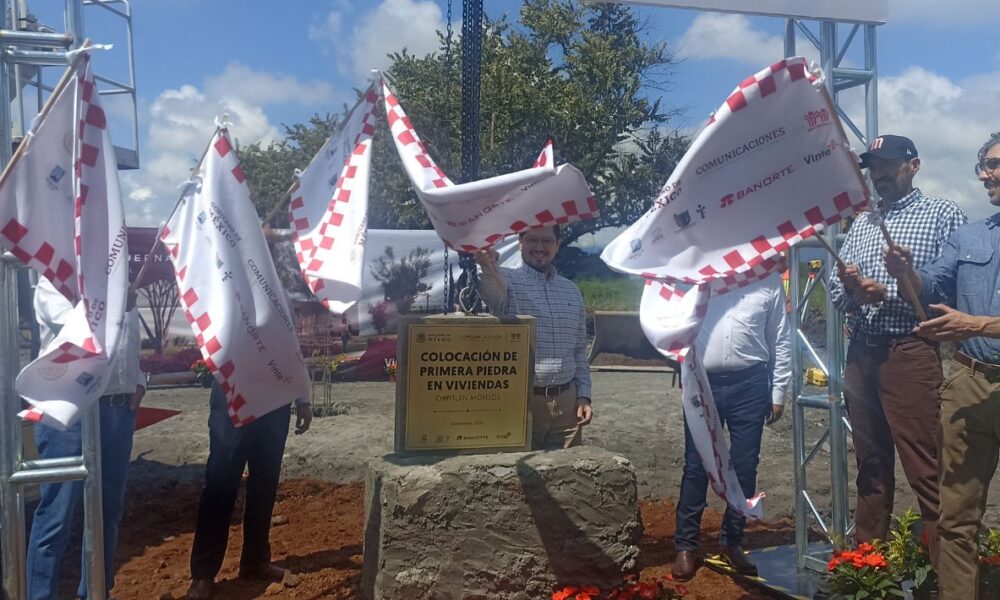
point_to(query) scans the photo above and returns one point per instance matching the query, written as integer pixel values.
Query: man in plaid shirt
(892, 377)
(560, 402)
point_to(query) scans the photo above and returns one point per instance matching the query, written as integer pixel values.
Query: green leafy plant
(989, 559)
(907, 553)
(201, 372)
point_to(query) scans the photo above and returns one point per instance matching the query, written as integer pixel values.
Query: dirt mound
(320, 541)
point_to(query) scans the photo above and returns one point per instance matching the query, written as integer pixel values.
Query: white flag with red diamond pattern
(230, 292)
(329, 209)
(771, 168)
(67, 223)
(478, 214)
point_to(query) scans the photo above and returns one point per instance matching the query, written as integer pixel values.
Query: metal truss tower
(834, 522)
(26, 49)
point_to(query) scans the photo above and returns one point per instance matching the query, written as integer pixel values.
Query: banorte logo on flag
(329, 208)
(230, 292)
(62, 215)
(771, 168)
(478, 214)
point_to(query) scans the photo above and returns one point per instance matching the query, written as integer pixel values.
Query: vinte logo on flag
(771, 168)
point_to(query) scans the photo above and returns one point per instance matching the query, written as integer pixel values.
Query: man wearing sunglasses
(963, 292)
(560, 402)
(891, 377)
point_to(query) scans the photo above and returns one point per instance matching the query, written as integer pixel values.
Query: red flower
(682, 589)
(584, 596)
(876, 561)
(648, 591)
(866, 548)
(564, 594)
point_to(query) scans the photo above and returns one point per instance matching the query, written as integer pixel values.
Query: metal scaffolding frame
(23, 54)
(825, 35)
(835, 523)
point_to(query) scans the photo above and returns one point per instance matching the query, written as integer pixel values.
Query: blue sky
(269, 63)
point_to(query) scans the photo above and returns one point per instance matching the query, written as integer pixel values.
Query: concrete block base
(499, 526)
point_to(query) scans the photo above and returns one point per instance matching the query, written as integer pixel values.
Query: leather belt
(879, 341)
(731, 377)
(990, 370)
(552, 390)
(116, 400)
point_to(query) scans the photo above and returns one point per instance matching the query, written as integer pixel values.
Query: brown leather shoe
(267, 571)
(686, 563)
(735, 556)
(201, 589)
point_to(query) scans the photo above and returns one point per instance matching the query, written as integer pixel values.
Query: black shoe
(201, 589)
(735, 556)
(266, 571)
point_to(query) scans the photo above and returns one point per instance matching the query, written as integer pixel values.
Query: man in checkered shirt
(560, 402)
(892, 377)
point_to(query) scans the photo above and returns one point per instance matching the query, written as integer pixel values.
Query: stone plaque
(463, 384)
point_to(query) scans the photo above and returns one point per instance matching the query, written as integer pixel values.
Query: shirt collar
(993, 221)
(543, 277)
(906, 200)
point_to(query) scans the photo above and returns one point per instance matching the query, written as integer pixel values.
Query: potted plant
(862, 573)
(390, 369)
(201, 373)
(908, 555)
(989, 562)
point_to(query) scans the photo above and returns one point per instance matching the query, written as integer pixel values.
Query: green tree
(401, 279)
(577, 74)
(270, 168)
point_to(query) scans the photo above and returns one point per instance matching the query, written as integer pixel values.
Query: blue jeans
(53, 520)
(743, 408)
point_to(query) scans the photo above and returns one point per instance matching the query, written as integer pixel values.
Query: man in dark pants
(745, 347)
(892, 376)
(258, 447)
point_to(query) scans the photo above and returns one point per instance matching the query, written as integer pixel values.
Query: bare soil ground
(637, 415)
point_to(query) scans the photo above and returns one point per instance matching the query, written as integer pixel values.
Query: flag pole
(46, 108)
(906, 286)
(829, 248)
(280, 203)
(158, 242)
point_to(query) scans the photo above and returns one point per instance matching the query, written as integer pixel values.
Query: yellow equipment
(816, 377)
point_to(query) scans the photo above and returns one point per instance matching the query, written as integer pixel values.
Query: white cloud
(180, 121)
(718, 35)
(948, 120)
(389, 27)
(257, 87)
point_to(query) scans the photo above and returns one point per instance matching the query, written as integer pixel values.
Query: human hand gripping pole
(904, 280)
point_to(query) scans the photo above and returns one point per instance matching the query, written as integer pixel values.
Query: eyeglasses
(989, 164)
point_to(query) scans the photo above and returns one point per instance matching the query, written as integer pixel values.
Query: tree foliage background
(579, 75)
